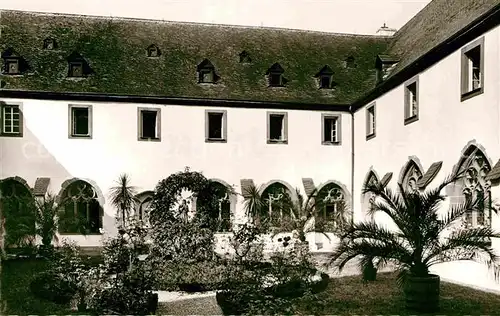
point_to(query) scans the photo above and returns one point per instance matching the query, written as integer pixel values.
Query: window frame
(338, 117)
(223, 123)
(275, 74)
(284, 127)
(71, 126)
(140, 124)
(465, 76)
(407, 102)
(19, 105)
(330, 80)
(205, 71)
(72, 65)
(368, 121)
(11, 60)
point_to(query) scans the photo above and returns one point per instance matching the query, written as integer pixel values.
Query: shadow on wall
(26, 157)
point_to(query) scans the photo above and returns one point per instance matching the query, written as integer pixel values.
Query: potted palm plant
(418, 240)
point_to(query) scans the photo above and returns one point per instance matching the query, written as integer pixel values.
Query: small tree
(123, 196)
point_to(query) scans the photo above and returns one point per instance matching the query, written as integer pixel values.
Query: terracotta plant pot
(422, 293)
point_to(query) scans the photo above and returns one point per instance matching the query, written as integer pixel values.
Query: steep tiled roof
(41, 186)
(433, 25)
(115, 50)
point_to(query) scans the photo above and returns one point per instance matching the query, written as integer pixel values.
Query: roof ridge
(150, 20)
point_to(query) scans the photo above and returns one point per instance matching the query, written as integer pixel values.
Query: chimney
(386, 31)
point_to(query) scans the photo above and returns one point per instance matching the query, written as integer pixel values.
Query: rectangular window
(472, 74)
(12, 66)
(331, 129)
(149, 124)
(411, 101)
(277, 127)
(12, 120)
(215, 126)
(325, 82)
(275, 80)
(80, 121)
(370, 122)
(206, 76)
(76, 69)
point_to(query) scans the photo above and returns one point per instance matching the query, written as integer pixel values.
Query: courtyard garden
(176, 257)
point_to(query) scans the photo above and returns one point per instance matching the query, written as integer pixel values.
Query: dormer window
(245, 57)
(349, 62)
(384, 64)
(13, 63)
(77, 66)
(275, 75)
(325, 77)
(49, 44)
(153, 51)
(206, 72)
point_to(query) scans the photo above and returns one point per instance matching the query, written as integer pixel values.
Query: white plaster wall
(46, 151)
(445, 126)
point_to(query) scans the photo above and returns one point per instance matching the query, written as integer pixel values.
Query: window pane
(80, 121)
(474, 59)
(325, 82)
(207, 76)
(76, 70)
(149, 124)
(330, 132)
(215, 125)
(13, 67)
(276, 127)
(94, 214)
(275, 79)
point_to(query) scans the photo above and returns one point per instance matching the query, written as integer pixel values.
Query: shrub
(130, 293)
(196, 277)
(50, 286)
(273, 286)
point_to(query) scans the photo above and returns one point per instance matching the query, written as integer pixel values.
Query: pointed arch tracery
(143, 207)
(276, 195)
(80, 209)
(411, 175)
(226, 203)
(369, 197)
(474, 185)
(330, 203)
(17, 210)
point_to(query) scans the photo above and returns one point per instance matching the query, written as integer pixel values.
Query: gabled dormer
(206, 72)
(153, 51)
(325, 77)
(384, 64)
(49, 44)
(13, 63)
(78, 67)
(275, 75)
(245, 57)
(349, 62)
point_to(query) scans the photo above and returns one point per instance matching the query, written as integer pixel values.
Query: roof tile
(116, 50)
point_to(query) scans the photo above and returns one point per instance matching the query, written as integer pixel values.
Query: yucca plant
(417, 242)
(123, 196)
